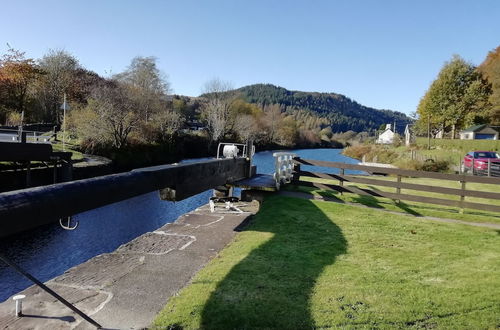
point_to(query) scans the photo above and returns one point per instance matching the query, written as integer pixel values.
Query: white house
(387, 136)
(409, 139)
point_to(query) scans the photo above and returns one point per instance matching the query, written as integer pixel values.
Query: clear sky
(383, 54)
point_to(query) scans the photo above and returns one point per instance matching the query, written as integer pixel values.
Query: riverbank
(312, 264)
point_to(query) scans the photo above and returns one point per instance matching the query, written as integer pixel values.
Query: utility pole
(64, 107)
(20, 128)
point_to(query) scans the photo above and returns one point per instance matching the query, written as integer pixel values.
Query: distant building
(439, 134)
(409, 136)
(479, 132)
(387, 136)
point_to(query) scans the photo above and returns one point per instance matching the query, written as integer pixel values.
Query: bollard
(19, 304)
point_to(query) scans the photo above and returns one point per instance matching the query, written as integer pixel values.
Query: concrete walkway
(125, 289)
(298, 194)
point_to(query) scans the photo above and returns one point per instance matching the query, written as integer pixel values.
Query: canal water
(48, 251)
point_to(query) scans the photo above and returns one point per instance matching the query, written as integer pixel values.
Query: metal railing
(283, 167)
(12, 135)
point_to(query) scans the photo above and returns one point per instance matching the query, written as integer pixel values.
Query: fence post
(296, 170)
(249, 156)
(398, 189)
(489, 167)
(472, 169)
(462, 197)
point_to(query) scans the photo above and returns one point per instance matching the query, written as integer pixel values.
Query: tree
(109, 117)
(287, 132)
(60, 69)
(246, 127)
(216, 109)
(458, 97)
(146, 84)
(167, 123)
(17, 75)
(490, 69)
(271, 120)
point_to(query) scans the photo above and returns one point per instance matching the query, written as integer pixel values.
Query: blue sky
(383, 54)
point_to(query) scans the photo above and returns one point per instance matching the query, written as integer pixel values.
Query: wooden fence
(399, 184)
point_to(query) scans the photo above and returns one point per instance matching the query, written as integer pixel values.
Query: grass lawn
(414, 207)
(56, 146)
(305, 264)
(454, 150)
(69, 147)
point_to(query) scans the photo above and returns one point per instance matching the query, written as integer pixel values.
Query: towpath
(125, 289)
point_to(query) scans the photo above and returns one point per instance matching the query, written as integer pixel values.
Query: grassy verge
(454, 150)
(306, 264)
(463, 146)
(414, 208)
(450, 152)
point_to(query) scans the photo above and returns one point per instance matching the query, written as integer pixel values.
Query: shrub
(357, 151)
(408, 164)
(431, 165)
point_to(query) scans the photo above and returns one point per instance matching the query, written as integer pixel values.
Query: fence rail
(398, 185)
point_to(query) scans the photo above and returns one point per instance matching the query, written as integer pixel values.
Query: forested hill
(343, 113)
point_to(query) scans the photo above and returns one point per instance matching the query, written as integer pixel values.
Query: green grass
(454, 150)
(414, 208)
(305, 264)
(56, 146)
(462, 145)
(451, 151)
(69, 147)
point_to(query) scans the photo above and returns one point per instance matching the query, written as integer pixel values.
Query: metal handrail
(31, 136)
(283, 165)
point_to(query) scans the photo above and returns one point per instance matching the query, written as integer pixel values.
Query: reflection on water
(48, 251)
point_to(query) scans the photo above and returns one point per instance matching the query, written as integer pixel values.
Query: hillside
(343, 113)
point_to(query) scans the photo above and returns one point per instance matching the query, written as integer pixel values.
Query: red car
(480, 160)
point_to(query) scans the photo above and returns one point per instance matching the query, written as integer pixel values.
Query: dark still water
(48, 251)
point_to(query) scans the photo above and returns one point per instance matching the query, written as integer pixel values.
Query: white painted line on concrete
(160, 232)
(84, 287)
(98, 308)
(211, 223)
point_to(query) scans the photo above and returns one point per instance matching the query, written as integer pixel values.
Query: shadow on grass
(372, 201)
(406, 208)
(272, 285)
(367, 201)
